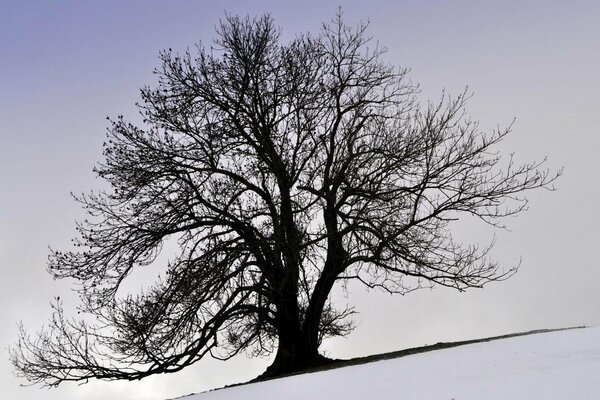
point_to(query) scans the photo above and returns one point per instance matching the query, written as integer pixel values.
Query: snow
(554, 365)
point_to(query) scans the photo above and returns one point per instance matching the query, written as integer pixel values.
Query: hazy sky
(66, 65)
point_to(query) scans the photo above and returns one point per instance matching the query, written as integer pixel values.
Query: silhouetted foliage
(279, 169)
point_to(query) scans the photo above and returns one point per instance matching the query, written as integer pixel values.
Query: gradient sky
(66, 65)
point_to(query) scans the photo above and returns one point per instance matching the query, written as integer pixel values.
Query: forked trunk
(298, 347)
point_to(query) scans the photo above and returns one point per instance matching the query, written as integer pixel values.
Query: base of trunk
(292, 364)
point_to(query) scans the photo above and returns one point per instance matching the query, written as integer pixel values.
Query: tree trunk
(298, 347)
(295, 352)
(294, 355)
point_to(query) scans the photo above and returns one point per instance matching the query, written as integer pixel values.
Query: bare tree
(279, 170)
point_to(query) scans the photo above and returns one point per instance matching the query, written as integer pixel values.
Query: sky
(67, 65)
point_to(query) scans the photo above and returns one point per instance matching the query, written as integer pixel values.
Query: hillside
(549, 365)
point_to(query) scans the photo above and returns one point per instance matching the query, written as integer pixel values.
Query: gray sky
(65, 66)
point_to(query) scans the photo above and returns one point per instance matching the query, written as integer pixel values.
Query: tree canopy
(279, 170)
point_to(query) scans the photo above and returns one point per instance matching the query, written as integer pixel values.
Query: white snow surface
(555, 365)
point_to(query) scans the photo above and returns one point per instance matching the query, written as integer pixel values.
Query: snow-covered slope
(556, 365)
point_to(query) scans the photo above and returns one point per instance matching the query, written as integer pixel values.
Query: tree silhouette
(279, 170)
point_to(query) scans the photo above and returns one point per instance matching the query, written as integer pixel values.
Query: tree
(279, 170)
